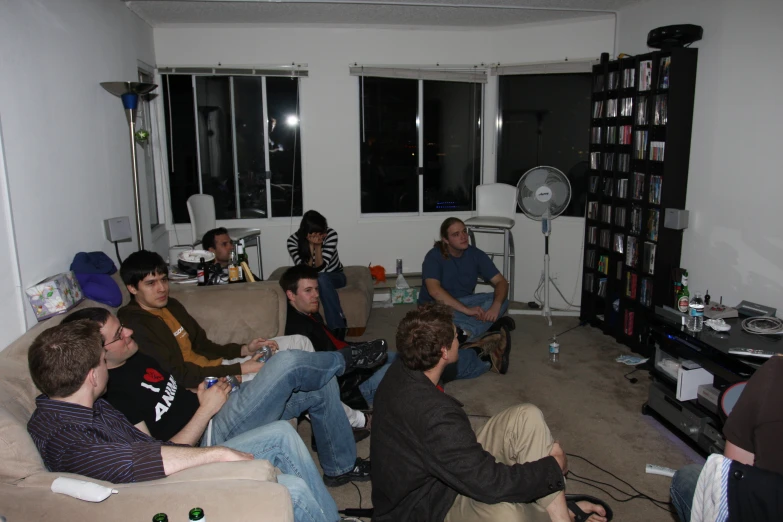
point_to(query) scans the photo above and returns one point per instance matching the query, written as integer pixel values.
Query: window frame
(154, 105)
(559, 67)
(297, 71)
(420, 76)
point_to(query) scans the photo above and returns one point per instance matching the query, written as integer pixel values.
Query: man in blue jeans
(450, 272)
(77, 431)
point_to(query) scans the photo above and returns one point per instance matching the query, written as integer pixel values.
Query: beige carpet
(590, 407)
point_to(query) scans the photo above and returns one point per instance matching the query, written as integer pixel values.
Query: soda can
(266, 353)
(234, 382)
(210, 381)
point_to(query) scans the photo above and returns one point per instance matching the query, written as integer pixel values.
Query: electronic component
(117, 229)
(750, 309)
(750, 352)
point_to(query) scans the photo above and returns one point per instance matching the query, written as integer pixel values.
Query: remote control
(652, 469)
(750, 352)
(89, 491)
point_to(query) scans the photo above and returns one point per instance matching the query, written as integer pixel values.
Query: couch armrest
(226, 491)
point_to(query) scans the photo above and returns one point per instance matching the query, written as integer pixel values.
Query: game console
(672, 36)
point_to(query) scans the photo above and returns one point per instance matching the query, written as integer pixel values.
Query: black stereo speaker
(674, 36)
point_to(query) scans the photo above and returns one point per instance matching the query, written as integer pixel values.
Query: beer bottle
(233, 269)
(160, 517)
(241, 258)
(197, 514)
(200, 272)
(683, 296)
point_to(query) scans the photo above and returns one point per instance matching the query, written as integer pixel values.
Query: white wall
(330, 124)
(734, 245)
(66, 148)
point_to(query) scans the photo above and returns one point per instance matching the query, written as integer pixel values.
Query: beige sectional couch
(245, 491)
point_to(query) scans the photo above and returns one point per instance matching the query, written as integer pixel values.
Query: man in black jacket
(429, 465)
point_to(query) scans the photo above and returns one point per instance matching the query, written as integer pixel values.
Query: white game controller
(719, 325)
(89, 491)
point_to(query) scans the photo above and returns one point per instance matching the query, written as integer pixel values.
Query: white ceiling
(447, 13)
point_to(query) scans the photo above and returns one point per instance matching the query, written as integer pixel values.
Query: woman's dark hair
(444, 233)
(312, 222)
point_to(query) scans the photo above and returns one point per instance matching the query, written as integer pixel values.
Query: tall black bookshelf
(640, 141)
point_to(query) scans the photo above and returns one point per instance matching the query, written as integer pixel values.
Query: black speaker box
(674, 36)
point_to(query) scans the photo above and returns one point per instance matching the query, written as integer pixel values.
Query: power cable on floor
(638, 494)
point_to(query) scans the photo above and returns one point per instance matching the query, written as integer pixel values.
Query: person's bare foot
(597, 511)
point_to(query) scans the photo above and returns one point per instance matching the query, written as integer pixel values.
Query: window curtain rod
(476, 74)
(561, 67)
(292, 71)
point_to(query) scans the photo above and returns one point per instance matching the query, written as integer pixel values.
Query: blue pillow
(101, 288)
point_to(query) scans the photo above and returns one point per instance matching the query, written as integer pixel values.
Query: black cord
(633, 380)
(359, 492)
(117, 249)
(639, 494)
(581, 323)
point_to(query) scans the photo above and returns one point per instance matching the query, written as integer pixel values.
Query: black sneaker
(359, 473)
(367, 355)
(506, 321)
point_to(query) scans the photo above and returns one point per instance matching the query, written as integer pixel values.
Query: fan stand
(546, 228)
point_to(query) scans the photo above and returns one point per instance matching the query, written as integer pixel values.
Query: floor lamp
(129, 93)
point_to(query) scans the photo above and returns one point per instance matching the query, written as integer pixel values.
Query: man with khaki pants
(429, 465)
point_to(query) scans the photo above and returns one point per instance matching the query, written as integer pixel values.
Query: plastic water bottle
(695, 321)
(554, 352)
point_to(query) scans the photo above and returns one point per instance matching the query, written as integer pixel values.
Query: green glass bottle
(197, 514)
(160, 517)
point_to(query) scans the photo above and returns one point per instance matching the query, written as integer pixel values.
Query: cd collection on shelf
(628, 250)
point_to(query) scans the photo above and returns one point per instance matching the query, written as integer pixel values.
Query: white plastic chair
(201, 209)
(496, 209)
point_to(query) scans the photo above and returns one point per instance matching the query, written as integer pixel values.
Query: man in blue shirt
(450, 272)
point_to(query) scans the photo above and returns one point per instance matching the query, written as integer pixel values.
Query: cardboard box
(55, 295)
(404, 295)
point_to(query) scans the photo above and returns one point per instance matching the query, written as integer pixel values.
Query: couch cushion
(235, 313)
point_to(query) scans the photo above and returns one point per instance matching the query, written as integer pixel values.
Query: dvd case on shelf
(608, 186)
(636, 220)
(589, 282)
(645, 75)
(628, 322)
(653, 221)
(603, 264)
(629, 75)
(631, 284)
(613, 80)
(619, 216)
(638, 186)
(595, 135)
(619, 243)
(601, 287)
(623, 162)
(606, 238)
(611, 135)
(592, 210)
(590, 259)
(656, 183)
(626, 107)
(609, 161)
(593, 184)
(598, 109)
(663, 72)
(625, 135)
(641, 111)
(631, 251)
(592, 235)
(661, 111)
(648, 263)
(640, 144)
(606, 213)
(611, 108)
(595, 160)
(646, 292)
(656, 150)
(622, 189)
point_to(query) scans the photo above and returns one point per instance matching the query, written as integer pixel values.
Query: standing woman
(315, 244)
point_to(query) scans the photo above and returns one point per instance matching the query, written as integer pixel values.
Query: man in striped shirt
(76, 431)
